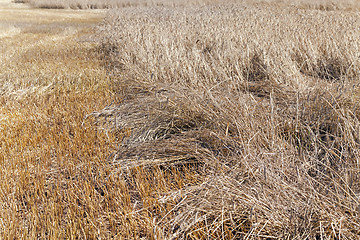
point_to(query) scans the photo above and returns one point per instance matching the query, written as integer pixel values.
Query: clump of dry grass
(264, 107)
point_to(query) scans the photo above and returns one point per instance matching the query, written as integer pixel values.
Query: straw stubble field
(197, 120)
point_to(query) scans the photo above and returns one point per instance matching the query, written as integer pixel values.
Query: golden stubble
(57, 180)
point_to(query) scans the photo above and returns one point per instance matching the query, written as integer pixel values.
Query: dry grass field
(180, 120)
(97, 4)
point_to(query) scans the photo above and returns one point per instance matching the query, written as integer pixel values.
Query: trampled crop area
(180, 120)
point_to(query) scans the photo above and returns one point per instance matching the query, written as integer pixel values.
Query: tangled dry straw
(261, 100)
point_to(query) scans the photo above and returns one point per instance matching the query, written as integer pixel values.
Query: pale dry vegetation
(327, 5)
(230, 121)
(262, 100)
(99, 4)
